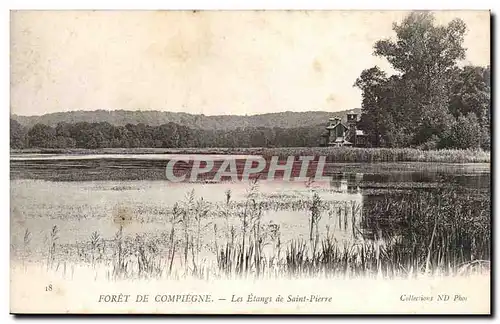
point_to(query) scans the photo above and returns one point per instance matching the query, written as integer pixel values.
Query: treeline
(287, 119)
(104, 135)
(432, 101)
(171, 135)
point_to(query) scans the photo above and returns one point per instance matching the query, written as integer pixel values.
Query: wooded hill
(287, 119)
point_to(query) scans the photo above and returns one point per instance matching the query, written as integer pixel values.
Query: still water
(81, 194)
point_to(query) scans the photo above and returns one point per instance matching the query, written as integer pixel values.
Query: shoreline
(337, 154)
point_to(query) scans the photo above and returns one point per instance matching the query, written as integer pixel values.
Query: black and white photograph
(250, 162)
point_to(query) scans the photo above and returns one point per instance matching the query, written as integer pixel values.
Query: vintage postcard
(250, 162)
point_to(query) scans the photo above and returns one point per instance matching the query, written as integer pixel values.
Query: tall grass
(404, 235)
(435, 230)
(53, 238)
(353, 154)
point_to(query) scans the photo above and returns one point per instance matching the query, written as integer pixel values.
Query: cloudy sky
(204, 62)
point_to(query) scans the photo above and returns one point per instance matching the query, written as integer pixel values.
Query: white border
(254, 4)
(187, 4)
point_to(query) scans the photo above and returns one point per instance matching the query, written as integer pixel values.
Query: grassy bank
(342, 154)
(350, 154)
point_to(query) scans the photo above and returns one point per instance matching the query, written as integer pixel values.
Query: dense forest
(171, 135)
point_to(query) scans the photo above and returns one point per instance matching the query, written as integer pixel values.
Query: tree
(470, 92)
(423, 49)
(373, 120)
(41, 136)
(419, 104)
(17, 135)
(464, 133)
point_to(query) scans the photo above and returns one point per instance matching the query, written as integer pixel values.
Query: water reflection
(346, 182)
(371, 193)
(357, 186)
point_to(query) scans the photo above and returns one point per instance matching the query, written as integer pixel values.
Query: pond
(129, 195)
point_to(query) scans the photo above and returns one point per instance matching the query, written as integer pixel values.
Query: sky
(212, 63)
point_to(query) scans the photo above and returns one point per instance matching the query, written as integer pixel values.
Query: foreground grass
(410, 235)
(341, 154)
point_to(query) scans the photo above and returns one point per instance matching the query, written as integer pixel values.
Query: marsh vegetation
(265, 234)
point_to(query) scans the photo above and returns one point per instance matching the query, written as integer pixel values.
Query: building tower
(352, 121)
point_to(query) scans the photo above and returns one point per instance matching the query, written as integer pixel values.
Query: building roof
(359, 132)
(335, 126)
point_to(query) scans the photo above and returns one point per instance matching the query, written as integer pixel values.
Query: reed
(95, 245)
(353, 154)
(406, 234)
(26, 245)
(119, 253)
(53, 238)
